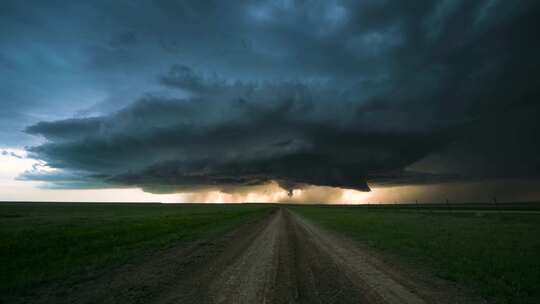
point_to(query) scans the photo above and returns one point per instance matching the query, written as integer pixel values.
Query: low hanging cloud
(233, 135)
(390, 94)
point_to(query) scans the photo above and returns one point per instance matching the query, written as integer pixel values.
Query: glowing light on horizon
(14, 162)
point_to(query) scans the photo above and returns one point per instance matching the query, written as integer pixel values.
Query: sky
(333, 101)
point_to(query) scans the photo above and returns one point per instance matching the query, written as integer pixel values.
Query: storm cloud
(226, 96)
(235, 135)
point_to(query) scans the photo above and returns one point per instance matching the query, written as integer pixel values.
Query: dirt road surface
(281, 259)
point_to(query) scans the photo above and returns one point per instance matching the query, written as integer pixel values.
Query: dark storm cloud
(335, 93)
(234, 135)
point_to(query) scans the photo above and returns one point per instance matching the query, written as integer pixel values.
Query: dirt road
(282, 259)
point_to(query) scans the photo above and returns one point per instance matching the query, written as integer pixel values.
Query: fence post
(448, 205)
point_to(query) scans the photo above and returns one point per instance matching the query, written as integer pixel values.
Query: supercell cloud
(236, 135)
(184, 96)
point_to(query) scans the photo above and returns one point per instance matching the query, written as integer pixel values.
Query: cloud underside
(170, 145)
(228, 137)
(439, 94)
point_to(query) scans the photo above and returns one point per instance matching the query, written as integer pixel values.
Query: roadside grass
(495, 253)
(44, 243)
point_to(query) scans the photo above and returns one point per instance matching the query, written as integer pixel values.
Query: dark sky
(186, 96)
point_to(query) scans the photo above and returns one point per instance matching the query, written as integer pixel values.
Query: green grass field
(43, 243)
(497, 254)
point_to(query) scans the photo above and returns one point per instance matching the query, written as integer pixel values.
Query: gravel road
(289, 260)
(281, 259)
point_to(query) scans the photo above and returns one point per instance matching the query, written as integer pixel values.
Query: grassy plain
(44, 243)
(495, 252)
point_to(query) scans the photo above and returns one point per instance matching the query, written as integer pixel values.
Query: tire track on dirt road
(282, 258)
(293, 261)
